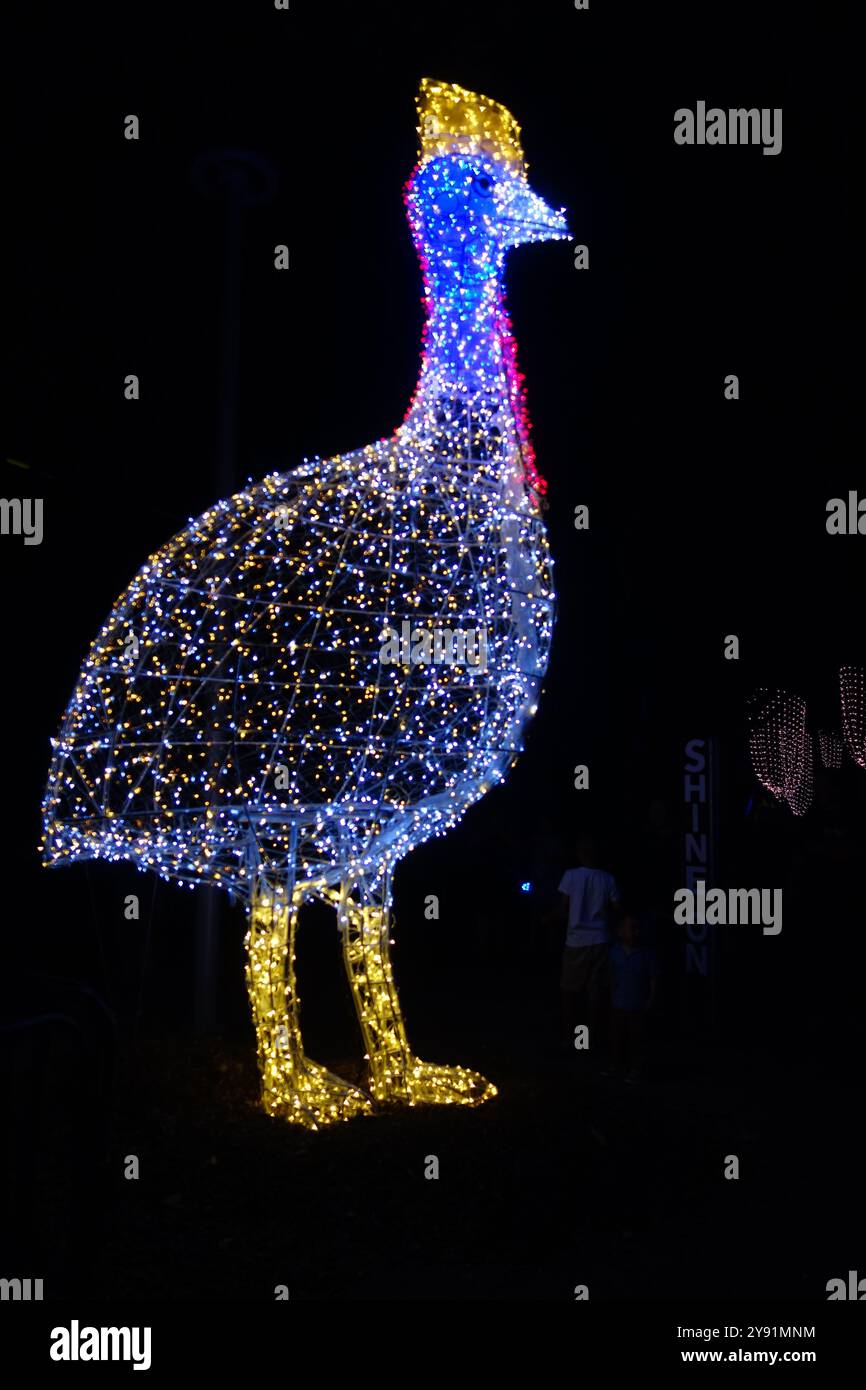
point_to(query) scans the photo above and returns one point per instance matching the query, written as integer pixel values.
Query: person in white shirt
(590, 896)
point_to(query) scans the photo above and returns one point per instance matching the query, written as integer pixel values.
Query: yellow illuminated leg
(293, 1087)
(395, 1073)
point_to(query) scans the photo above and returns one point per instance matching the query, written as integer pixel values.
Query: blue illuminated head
(469, 199)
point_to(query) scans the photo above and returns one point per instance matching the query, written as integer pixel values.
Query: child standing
(633, 975)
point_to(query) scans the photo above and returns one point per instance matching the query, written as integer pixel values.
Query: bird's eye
(483, 186)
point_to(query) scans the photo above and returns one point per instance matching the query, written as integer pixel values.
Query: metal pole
(241, 179)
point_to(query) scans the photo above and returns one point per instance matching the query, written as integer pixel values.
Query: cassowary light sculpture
(328, 668)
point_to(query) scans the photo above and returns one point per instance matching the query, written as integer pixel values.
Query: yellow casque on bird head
(452, 120)
(485, 195)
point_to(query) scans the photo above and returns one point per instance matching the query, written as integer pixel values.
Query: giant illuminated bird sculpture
(247, 716)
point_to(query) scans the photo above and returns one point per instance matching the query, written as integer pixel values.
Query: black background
(707, 519)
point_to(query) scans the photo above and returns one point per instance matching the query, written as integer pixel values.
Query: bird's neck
(469, 379)
(463, 332)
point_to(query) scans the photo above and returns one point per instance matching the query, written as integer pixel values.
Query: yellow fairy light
(454, 121)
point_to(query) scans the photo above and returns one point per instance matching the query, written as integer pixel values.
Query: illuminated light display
(781, 747)
(831, 748)
(233, 722)
(852, 680)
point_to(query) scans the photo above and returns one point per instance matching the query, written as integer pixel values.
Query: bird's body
(238, 627)
(279, 702)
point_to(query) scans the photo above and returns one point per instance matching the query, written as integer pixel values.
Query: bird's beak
(526, 217)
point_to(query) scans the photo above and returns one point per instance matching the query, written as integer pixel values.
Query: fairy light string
(831, 748)
(852, 685)
(781, 747)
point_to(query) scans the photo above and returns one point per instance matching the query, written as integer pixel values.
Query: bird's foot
(427, 1083)
(309, 1095)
